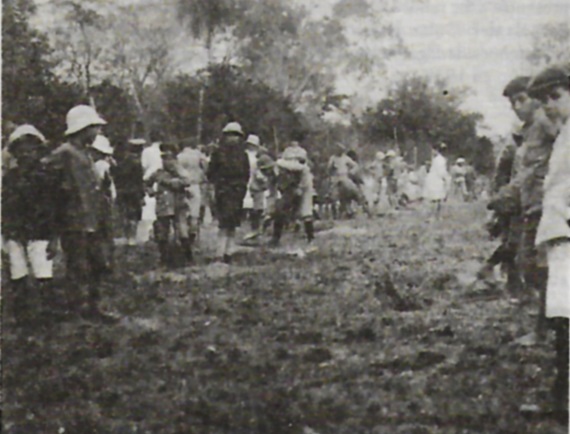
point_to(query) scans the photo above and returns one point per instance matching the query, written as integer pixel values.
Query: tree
(31, 93)
(205, 18)
(418, 113)
(139, 55)
(77, 42)
(230, 96)
(550, 45)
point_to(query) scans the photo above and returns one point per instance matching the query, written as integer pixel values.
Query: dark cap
(516, 85)
(168, 148)
(548, 79)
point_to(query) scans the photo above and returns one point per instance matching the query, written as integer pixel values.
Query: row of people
(531, 205)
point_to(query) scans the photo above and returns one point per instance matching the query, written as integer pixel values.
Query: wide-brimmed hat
(265, 162)
(233, 128)
(252, 139)
(391, 154)
(102, 144)
(25, 130)
(137, 142)
(81, 117)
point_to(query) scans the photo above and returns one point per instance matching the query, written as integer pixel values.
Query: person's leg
(560, 387)
(161, 233)
(78, 270)
(42, 269)
(535, 276)
(229, 247)
(19, 284)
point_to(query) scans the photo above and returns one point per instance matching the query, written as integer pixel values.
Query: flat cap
(555, 76)
(516, 85)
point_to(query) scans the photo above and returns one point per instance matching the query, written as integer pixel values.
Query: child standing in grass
(171, 225)
(28, 220)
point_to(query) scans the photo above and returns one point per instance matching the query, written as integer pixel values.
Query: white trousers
(558, 288)
(34, 252)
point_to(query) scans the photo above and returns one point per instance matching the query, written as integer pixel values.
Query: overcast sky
(477, 43)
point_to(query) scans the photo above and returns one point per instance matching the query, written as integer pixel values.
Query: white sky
(476, 43)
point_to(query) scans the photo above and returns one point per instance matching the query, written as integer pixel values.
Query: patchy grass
(376, 332)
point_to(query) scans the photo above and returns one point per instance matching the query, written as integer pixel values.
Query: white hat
(292, 165)
(380, 155)
(25, 130)
(233, 128)
(80, 117)
(102, 144)
(391, 153)
(461, 160)
(252, 139)
(137, 142)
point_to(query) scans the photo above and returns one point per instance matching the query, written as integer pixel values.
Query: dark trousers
(560, 389)
(84, 256)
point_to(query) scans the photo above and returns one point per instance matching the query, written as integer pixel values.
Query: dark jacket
(81, 196)
(229, 169)
(29, 207)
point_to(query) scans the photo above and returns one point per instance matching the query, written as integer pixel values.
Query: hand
(51, 249)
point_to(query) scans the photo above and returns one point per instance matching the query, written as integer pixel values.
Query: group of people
(531, 210)
(66, 197)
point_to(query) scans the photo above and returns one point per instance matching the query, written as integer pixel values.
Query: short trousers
(34, 252)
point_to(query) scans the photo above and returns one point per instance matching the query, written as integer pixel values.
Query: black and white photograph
(285, 217)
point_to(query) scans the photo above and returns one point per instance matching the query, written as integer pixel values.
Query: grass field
(378, 331)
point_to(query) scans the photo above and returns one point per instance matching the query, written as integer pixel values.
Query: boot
(309, 230)
(277, 231)
(256, 219)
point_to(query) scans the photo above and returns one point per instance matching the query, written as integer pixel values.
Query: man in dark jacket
(228, 171)
(80, 209)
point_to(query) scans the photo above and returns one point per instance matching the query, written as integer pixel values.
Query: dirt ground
(377, 331)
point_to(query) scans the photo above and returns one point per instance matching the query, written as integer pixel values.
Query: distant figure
(128, 175)
(458, 181)
(151, 160)
(437, 182)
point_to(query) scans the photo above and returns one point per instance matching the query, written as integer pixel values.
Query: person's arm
(212, 172)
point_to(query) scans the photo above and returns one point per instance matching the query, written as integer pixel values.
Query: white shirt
(151, 160)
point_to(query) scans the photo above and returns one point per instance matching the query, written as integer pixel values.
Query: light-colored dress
(437, 180)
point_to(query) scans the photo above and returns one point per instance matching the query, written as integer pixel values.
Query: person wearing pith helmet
(80, 211)
(29, 193)
(228, 171)
(102, 153)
